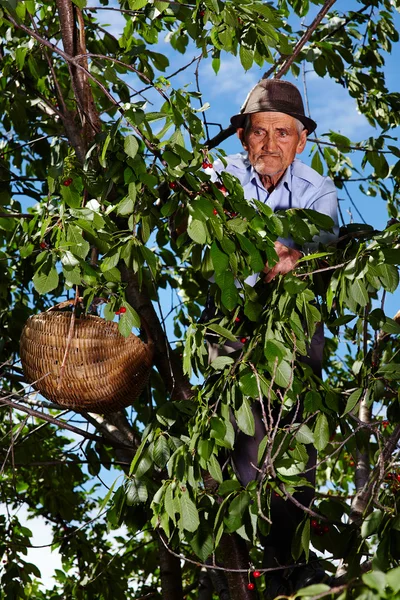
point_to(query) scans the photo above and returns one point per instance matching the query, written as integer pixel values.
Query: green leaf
(220, 259)
(321, 432)
(230, 294)
(128, 320)
(352, 400)
(169, 503)
(283, 374)
(359, 293)
(221, 362)
(393, 579)
(126, 206)
(316, 163)
(131, 146)
(229, 486)
(189, 515)
(371, 523)
(313, 590)
(246, 57)
(222, 331)
(375, 580)
(197, 231)
(45, 280)
(79, 246)
(244, 417)
(304, 435)
(102, 160)
(161, 452)
(248, 385)
(215, 469)
(341, 141)
(389, 275)
(136, 492)
(305, 538)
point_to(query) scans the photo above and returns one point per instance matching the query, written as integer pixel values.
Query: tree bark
(170, 573)
(234, 555)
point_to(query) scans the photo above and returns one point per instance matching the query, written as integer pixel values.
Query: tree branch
(303, 40)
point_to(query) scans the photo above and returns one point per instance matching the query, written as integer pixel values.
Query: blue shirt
(300, 187)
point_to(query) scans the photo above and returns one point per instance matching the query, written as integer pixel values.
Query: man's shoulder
(309, 175)
(238, 162)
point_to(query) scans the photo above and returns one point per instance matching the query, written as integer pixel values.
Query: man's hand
(287, 259)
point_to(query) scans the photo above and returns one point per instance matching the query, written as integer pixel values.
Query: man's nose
(269, 143)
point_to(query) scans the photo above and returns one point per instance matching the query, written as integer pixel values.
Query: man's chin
(267, 171)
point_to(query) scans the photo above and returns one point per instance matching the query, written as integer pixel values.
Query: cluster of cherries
(318, 528)
(120, 311)
(206, 164)
(393, 477)
(68, 182)
(251, 586)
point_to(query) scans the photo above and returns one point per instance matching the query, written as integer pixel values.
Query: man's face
(272, 142)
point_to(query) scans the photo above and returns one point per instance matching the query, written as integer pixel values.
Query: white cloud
(231, 84)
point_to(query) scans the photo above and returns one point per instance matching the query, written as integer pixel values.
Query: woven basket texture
(104, 371)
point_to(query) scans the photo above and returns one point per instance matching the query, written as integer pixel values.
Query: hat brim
(238, 120)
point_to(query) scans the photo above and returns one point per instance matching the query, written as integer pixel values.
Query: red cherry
(250, 586)
(351, 463)
(206, 164)
(389, 476)
(314, 523)
(68, 182)
(325, 529)
(122, 310)
(385, 424)
(398, 477)
(215, 211)
(43, 245)
(243, 341)
(237, 320)
(172, 185)
(202, 13)
(256, 574)
(118, 312)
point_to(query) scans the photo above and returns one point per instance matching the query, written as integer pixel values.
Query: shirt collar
(286, 180)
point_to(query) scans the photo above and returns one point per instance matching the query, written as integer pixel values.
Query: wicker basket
(103, 372)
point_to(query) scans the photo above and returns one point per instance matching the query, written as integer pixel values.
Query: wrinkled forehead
(275, 119)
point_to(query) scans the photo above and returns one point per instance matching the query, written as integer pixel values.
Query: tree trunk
(170, 574)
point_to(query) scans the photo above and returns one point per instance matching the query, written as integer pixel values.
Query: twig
(52, 420)
(304, 39)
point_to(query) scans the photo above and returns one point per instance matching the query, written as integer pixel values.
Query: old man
(273, 129)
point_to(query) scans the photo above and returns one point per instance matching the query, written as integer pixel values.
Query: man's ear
(302, 142)
(240, 134)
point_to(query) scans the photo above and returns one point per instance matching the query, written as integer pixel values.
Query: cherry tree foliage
(105, 194)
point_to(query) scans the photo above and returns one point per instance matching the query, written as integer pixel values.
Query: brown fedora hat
(274, 95)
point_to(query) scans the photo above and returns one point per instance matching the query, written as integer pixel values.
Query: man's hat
(274, 95)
